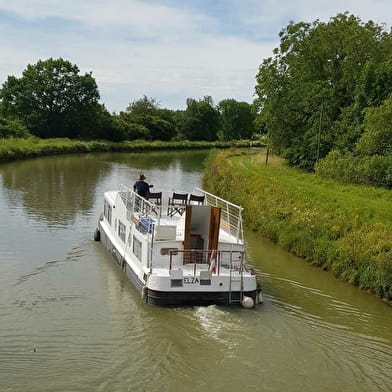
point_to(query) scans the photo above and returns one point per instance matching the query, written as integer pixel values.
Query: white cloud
(305, 11)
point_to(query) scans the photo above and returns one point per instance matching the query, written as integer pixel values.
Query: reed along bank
(21, 148)
(344, 229)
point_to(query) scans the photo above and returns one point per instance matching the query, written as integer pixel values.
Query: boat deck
(231, 229)
(186, 252)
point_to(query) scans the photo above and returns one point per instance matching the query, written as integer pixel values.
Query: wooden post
(266, 156)
(319, 133)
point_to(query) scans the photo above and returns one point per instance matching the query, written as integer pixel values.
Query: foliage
(51, 99)
(345, 229)
(317, 81)
(371, 161)
(200, 120)
(148, 120)
(237, 120)
(127, 130)
(17, 148)
(143, 106)
(159, 129)
(12, 128)
(377, 136)
(347, 168)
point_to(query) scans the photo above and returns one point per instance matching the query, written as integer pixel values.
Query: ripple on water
(76, 254)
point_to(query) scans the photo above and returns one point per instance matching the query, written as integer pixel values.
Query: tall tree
(237, 119)
(143, 106)
(146, 112)
(377, 136)
(200, 120)
(51, 99)
(311, 81)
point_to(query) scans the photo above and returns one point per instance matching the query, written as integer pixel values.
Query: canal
(70, 320)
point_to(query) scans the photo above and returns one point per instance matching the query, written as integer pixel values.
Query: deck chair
(156, 198)
(196, 199)
(177, 204)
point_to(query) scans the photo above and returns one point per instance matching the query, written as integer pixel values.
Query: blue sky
(168, 50)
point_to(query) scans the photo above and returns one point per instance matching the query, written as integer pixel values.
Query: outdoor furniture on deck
(177, 204)
(196, 199)
(156, 198)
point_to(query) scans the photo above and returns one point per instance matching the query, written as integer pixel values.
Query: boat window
(166, 251)
(121, 231)
(137, 248)
(107, 211)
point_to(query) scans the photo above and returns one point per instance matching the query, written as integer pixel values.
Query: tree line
(53, 99)
(324, 99)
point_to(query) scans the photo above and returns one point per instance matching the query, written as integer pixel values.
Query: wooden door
(213, 236)
(187, 233)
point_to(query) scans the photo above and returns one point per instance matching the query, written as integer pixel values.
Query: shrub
(374, 170)
(12, 128)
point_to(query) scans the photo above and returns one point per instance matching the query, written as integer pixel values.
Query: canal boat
(179, 248)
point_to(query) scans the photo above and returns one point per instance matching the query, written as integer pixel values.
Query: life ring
(97, 235)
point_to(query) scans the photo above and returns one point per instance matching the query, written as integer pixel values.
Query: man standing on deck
(141, 187)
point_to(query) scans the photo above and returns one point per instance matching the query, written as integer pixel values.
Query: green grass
(342, 228)
(15, 148)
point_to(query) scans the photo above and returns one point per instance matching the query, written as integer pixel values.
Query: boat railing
(231, 214)
(138, 204)
(214, 260)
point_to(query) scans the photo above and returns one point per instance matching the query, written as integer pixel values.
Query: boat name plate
(191, 280)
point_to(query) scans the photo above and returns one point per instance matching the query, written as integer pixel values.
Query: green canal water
(70, 320)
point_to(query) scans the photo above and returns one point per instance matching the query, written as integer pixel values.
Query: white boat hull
(162, 271)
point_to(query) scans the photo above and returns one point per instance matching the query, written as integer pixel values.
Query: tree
(144, 105)
(237, 119)
(124, 130)
(377, 136)
(200, 120)
(52, 99)
(374, 85)
(316, 65)
(145, 112)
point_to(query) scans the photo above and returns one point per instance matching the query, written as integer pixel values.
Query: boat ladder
(232, 279)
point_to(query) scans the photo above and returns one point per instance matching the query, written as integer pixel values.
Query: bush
(121, 130)
(374, 170)
(12, 128)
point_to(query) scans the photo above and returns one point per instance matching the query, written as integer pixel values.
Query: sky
(167, 50)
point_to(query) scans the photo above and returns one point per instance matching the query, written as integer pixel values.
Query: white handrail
(138, 204)
(231, 214)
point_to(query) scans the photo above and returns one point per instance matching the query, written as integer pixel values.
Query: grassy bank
(11, 149)
(345, 229)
